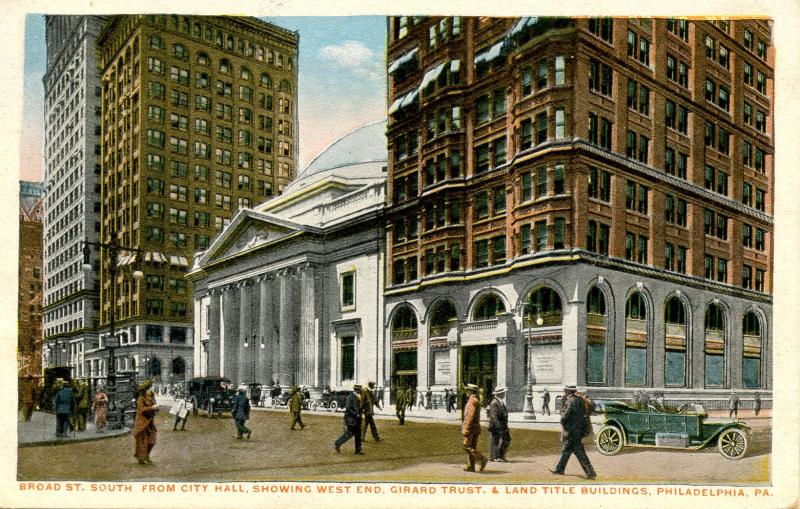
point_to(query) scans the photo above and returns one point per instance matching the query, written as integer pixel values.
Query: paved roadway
(421, 451)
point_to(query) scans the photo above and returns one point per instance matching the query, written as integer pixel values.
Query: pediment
(249, 237)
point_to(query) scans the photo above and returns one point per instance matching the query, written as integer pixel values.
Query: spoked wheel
(609, 440)
(732, 443)
(312, 406)
(333, 406)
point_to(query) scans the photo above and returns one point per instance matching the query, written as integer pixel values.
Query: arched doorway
(153, 368)
(635, 340)
(715, 346)
(443, 318)
(404, 349)
(675, 342)
(178, 369)
(751, 350)
(595, 336)
(488, 307)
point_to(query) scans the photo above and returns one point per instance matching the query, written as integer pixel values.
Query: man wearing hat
(400, 405)
(367, 404)
(471, 429)
(498, 425)
(144, 431)
(295, 407)
(352, 420)
(574, 426)
(64, 405)
(241, 412)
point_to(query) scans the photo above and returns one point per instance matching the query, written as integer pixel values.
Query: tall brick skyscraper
(29, 312)
(199, 119)
(582, 201)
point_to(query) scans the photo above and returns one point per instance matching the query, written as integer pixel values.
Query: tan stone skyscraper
(199, 119)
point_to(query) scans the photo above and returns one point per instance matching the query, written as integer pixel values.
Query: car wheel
(333, 406)
(609, 440)
(313, 406)
(194, 407)
(732, 443)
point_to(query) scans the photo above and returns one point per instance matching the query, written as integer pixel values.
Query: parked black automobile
(212, 394)
(335, 400)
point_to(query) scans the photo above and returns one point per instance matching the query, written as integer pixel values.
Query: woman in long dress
(144, 432)
(100, 407)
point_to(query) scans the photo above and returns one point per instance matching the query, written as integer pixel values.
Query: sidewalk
(41, 430)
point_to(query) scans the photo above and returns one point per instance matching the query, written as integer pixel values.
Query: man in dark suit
(295, 408)
(498, 425)
(367, 403)
(574, 426)
(241, 413)
(545, 401)
(352, 420)
(400, 405)
(64, 406)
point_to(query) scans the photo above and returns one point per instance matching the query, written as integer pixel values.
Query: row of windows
(178, 98)
(202, 150)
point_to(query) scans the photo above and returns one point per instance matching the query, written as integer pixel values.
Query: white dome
(367, 144)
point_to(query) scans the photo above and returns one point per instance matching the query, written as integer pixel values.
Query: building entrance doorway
(404, 375)
(479, 367)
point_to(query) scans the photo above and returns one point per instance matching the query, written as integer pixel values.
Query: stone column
(230, 325)
(286, 343)
(244, 369)
(570, 322)
(266, 331)
(214, 333)
(307, 342)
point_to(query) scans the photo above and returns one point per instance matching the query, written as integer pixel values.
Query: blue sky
(341, 72)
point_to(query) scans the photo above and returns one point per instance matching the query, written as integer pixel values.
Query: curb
(126, 431)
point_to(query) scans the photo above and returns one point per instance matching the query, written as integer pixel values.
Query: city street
(417, 452)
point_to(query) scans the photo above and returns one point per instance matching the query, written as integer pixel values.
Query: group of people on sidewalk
(71, 404)
(359, 414)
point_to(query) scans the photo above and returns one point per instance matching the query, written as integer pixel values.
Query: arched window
(488, 307)
(185, 26)
(675, 342)
(635, 340)
(751, 351)
(443, 318)
(404, 325)
(197, 30)
(715, 345)
(542, 308)
(245, 73)
(225, 66)
(229, 42)
(178, 368)
(285, 86)
(153, 368)
(595, 336)
(266, 81)
(173, 21)
(156, 42)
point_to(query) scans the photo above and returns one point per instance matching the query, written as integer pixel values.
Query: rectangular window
(527, 80)
(526, 134)
(708, 267)
(593, 131)
(560, 123)
(591, 236)
(527, 186)
(348, 358)
(604, 233)
(559, 69)
(669, 256)
(482, 204)
(541, 182)
(683, 120)
(482, 253)
(525, 239)
(541, 128)
(747, 153)
(348, 284)
(669, 208)
(761, 197)
(642, 253)
(630, 246)
(541, 235)
(722, 270)
(635, 366)
(605, 133)
(558, 179)
(760, 239)
(683, 75)
(558, 233)
(760, 277)
(644, 144)
(498, 250)
(681, 265)
(708, 222)
(747, 235)
(680, 217)
(499, 200)
(672, 73)
(683, 162)
(747, 276)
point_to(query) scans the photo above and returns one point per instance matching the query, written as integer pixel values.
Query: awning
(178, 261)
(455, 65)
(431, 75)
(519, 26)
(404, 101)
(492, 53)
(125, 259)
(405, 59)
(155, 256)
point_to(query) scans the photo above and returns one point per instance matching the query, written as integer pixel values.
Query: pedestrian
(379, 398)
(352, 421)
(64, 406)
(295, 407)
(447, 399)
(574, 427)
(144, 432)
(240, 410)
(429, 399)
(757, 403)
(421, 400)
(545, 401)
(82, 404)
(637, 400)
(100, 408)
(471, 429)
(367, 403)
(645, 400)
(498, 425)
(400, 405)
(181, 415)
(453, 398)
(733, 406)
(410, 392)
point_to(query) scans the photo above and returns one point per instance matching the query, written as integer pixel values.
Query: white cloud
(356, 57)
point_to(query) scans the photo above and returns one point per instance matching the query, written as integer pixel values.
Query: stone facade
(29, 296)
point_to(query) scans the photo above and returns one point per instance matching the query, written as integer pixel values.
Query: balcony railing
(595, 320)
(404, 334)
(440, 330)
(676, 330)
(550, 319)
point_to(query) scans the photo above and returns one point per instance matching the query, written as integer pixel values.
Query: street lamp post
(247, 345)
(528, 411)
(112, 248)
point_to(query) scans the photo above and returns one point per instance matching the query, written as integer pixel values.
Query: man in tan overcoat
(471, 429)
